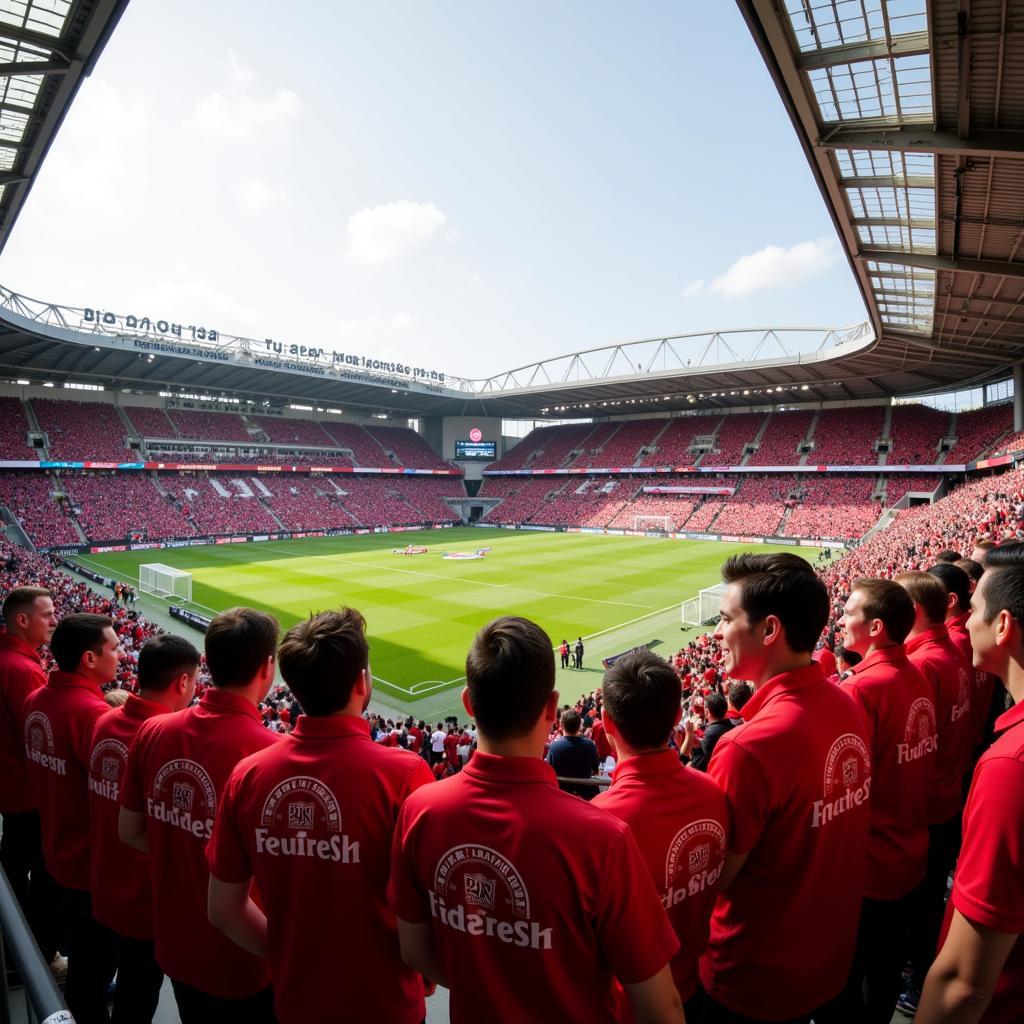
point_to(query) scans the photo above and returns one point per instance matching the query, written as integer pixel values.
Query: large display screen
(476, 449)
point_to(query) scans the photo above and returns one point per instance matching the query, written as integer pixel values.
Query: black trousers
(928, 900)
(91, 961)
(139, 978)
(195, 1007)
(715, 1013)
(21, 854)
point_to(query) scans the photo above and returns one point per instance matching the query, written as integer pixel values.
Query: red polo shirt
(312, 820)
(21, 673)
(680, 821)
(536, 898)
(983, 683)
(989, 884)
(900, 712)
(951, 677)
(600, 738)
(121, 893)
(796, 775)
(58, 728)
(177, 769)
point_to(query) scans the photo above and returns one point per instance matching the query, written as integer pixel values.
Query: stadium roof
(911, 114)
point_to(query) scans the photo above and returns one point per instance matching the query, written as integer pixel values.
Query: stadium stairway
(809, 438)
(756, 439)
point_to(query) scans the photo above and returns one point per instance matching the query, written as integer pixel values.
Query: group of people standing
(574, 653)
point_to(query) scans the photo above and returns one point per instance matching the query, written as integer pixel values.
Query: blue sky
(463, 186)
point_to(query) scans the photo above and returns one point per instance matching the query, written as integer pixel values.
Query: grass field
(422, 611)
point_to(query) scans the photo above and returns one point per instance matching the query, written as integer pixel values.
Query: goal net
(702, 610)
(663, 524)
(165, 581)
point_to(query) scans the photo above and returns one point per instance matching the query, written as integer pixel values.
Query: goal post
(663, 524)
(165, 581)
(702, 610)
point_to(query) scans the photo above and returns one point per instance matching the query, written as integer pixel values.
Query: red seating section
(83, 430)
(13, 429)
(108, 506)
(916, 431)
(29, 496)
(846, 437)
(365, 450)
(779, 442)
(282, 430)
(736, 431)
(209, 426)
(410, 449)
(978, 431)
(150, 422)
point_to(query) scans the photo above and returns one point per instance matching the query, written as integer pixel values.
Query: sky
(462, 186)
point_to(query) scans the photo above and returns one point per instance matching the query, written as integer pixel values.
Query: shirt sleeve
(132, 796)
(989, 884)
(406, 896)
(632, 927)
(748, 790)
(226, 852)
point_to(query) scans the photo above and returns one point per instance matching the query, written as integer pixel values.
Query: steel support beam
(907, 44)
(58, 66)
(911, 181)
(921, 139)
(51, 44)
(925, 261)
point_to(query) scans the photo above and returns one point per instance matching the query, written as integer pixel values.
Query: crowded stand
(364, 448)
(82, 430)
(736, 432)
(200, 425)
(833, 507)
(139, 508)
(782, 435)
(623, 447)
(592, 445)
(14, 431)
(978, 431)
(846, 437)
(899, 484)
(426, 495)
(1013, 443)
(287, 431)
(215, 504)
(916, 431)
(545, 447)
(678, 506)
(149, 422)
(586, 502)
(757, 507)
(408, 448)
(673, 447)
(704, 514)
(30, 498)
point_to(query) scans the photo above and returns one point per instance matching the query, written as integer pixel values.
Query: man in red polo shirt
(523, 900)
(311, 820)
(121, 892)
(978, 974)
(29, 622)
(899, 709)
(177, 769)
(796, 775)
(931, 649)
(678, 817)
(59, 719)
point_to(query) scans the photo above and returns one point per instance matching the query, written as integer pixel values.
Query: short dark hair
(321, 658)
(1004, 582)
(163, 658)
(510, 675)
(739, 693)
(889, 602)
(75, 634)
(21, 599)
(927, 591)
(783, 585)
(238, 643)
(716, 705)
(956, 581)
(641, 695)
(975, 570)
(850, 657)
(948, 555)
(571, 720)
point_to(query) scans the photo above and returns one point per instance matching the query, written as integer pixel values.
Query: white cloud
(234, 112)
(382, 234)
(772, 267)
(694, 288)
(257, 194)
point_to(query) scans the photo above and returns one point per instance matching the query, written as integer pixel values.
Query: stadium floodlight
(165, 581)
(658, 524)
(702, 610)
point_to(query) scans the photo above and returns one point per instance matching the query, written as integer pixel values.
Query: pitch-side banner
(230, 467)
(727, 491)
(652, 470)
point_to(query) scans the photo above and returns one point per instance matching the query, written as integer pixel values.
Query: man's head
(773, 608)
(739, 693)
(641, 700)
(325, 660)
(510, 678)
(929, 597)
(29, 615)
(877, 614)
(846, 659)
(981, 549)
(571, 722)
(996, 622)
(168, 666)
(716, 706)
(949, 555)
(975, 570)
(86, 644)
(240, 644)
(958, 588)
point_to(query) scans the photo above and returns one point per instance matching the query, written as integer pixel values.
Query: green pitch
(423, 610)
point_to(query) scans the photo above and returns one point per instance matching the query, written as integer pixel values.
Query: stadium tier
(149, 422)
(80, 430)
(14, 427)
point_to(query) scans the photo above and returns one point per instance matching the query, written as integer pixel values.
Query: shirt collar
(895, 655)
(139, 709)
(934, 634)
(331, 726)
(224, 702)
(492, 768)
(649, 764)
(73, 681)
(785, 682)
(15, 643)
(959, 624)
(1008, 719)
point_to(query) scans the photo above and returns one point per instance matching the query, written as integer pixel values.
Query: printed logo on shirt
(302, 818)
(963, 696)
(847, 779)
(107, 763)
(694, 862)
(39, 744)
(919, 737)
(183, 796)
(477, 876)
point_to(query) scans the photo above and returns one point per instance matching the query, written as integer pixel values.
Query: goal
(702, 610)
(165, 581)
(663, 524)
